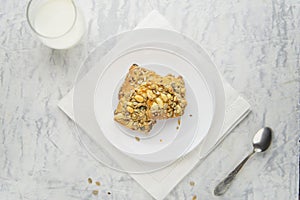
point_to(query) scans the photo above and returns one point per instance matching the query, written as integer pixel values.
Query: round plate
(109, 63)
(167, 133)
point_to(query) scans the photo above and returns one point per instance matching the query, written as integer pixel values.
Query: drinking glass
(59, 24)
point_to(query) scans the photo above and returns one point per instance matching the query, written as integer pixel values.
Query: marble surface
(256, 46)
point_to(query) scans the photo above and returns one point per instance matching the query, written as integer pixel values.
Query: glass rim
(45, 36)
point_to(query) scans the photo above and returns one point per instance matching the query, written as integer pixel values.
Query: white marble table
(256, 46)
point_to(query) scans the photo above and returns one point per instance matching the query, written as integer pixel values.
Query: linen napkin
(161, 182)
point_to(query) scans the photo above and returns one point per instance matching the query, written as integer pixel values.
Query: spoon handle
(223, 186)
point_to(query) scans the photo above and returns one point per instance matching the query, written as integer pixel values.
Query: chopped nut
(154, 106)
(178, 109)
(95, 192)
(144, 95)
(90, 180)
(164, 97)
(139, 98)
(192, 183)
(134, 116)
(182, 90)
(130, 109)
(140, 104)
(169, 96)
(175, 98)
(150, 94)
(170, 114)
(119, 116)
(156, 92)
(170, 89)
(146, 126)
(159, 102)
(182, 104)
(153, 86)
(130, 123)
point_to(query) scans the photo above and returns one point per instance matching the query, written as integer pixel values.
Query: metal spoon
(261, 142)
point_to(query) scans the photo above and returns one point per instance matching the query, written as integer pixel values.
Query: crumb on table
(90, 180)
(192, 183)
(137, 139)
(98, 183)
(95, 192)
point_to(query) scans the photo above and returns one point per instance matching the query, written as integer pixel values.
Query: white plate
(143, 44)
(140, 46)
(196, 120)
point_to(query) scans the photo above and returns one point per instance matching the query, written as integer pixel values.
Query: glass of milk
(59, 24)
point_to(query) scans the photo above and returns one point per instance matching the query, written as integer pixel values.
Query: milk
(55, 22)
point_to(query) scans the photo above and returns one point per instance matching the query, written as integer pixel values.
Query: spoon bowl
(262, 139)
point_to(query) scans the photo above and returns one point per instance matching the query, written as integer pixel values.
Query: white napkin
(160, 183)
